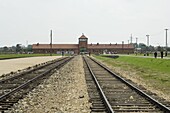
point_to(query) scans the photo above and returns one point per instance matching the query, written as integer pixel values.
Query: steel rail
(32, 80)
(106, 102)
(139, 91)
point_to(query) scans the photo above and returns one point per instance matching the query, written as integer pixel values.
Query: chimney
(37, 44)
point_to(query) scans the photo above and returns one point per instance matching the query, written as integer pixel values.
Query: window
(82, 39)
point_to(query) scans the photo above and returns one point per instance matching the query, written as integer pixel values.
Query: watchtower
(83, 42)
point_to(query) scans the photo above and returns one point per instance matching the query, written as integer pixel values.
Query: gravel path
(6, 66)
(64, 92)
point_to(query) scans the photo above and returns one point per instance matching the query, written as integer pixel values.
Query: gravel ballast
(64, 92)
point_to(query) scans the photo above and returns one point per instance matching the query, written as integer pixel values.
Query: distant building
(83, 47)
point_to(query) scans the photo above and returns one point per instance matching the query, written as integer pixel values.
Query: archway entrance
(83, 50)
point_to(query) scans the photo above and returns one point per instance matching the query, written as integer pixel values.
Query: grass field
(150, 55)
(154, 72)
(160, 65)
(12, 56)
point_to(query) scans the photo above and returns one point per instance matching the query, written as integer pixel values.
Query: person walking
(162, 53)
(166, 53)
(89, 53)
(62, 53)
(155, 54)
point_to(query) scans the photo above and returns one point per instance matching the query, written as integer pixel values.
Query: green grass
(162, 65)
(148, 63)
(12, 56)
(155, 72)
(150, 55)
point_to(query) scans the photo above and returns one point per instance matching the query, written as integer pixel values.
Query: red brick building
(83, 47)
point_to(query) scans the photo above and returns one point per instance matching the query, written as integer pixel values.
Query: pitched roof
(75, 46)
(55, 46)
(109, 46)
(83, 36)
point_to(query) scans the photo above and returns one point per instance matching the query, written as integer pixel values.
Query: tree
(159, 48)
(151, 48)
(13, 49)
(143, 47)
(18, 48)
(168, 49)
(5, 48)
(29, 48)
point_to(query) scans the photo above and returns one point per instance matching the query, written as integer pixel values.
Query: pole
(166, 39)
(131, 38)
(166, 53)
(147, 45)
(122, 46)
(128, 43)
(51, 43)
(147, 40)
(136, 42)
(27, 43)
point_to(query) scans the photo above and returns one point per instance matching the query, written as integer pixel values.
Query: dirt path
(6, 66)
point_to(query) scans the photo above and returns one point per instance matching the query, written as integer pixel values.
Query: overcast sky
(102, 21)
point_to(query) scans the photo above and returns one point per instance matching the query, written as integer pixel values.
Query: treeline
(19, 49)
(144, 48)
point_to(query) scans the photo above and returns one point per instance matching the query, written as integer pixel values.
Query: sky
(102, 21)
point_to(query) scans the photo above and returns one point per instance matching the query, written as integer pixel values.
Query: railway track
(15, 87)
(110, 93)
